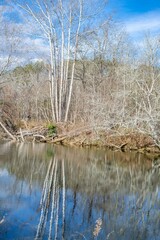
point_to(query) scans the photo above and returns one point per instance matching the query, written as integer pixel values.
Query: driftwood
(69, 135)
(8, 133)
(21, 135)
(42, 132)
(122, 147)
(87, 130)
(36, 132)
(74, 133)
(59, 139)
(39, 136)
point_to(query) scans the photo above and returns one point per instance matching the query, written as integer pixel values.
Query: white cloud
(145, 22)
(23, 39)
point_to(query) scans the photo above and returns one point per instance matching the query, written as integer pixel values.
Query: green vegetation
(52, 129)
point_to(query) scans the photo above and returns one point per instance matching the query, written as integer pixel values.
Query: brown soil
(69, 134)
(132, 141)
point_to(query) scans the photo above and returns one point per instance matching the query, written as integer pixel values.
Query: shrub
(52, 129)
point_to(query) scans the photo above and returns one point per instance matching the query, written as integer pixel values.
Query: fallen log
(8, 133)
(39, 136)
(71, 134)
(21, 134)
(59, 139)
(122, 147)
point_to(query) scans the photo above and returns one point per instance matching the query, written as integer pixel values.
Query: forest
(90, 74)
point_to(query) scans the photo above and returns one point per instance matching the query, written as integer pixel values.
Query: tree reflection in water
(74, 190)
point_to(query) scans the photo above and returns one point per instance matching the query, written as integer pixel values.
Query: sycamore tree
(63, 24)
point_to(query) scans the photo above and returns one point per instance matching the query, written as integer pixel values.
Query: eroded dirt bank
(86, 136)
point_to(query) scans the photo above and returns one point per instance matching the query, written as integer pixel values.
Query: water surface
(55, 192)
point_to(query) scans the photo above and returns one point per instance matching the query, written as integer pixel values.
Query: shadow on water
(55, 192)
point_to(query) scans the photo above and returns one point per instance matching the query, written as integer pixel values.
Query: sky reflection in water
(119, 189)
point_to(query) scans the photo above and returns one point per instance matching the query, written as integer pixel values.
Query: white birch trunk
(74, 61)
(52, 79)
(68, 53)
(62, 62)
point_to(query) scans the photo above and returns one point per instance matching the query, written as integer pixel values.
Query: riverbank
(85, 136)
(119, 139)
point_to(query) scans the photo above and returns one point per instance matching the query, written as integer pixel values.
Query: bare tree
(62, 23)
(146, 90)
(8, 46)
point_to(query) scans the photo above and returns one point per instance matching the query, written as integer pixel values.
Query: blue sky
(133, 7)
(123, 9)
(137, 17)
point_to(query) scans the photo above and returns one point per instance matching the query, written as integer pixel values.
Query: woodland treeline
(94, 74)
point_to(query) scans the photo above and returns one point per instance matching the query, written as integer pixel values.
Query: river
(56, 192)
